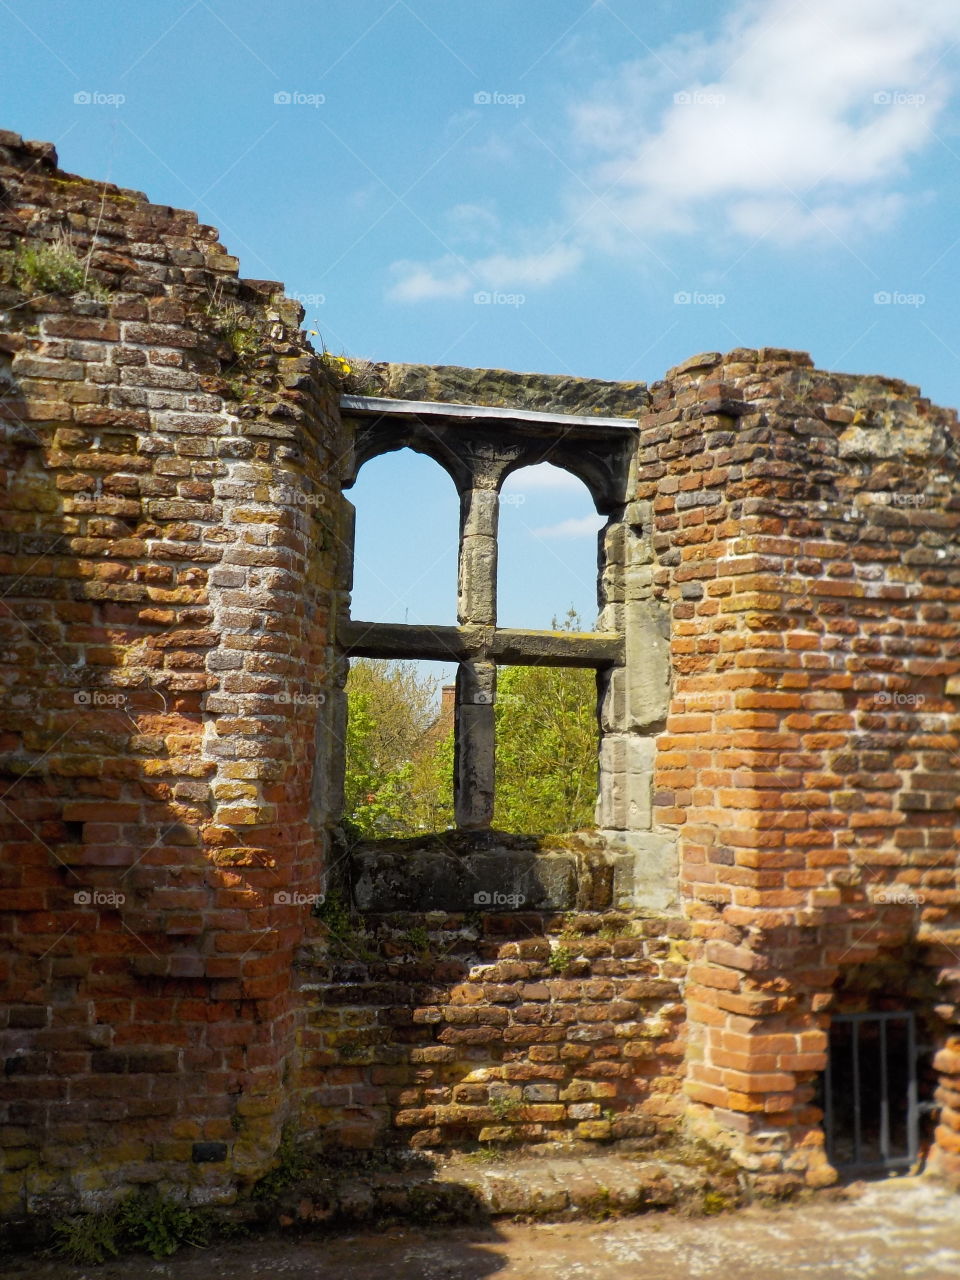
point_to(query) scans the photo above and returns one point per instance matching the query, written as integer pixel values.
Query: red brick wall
(811, 758)
(168, 543)
(171, 544)
(440, 1029)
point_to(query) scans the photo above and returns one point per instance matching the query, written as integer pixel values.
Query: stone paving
(906, 1227)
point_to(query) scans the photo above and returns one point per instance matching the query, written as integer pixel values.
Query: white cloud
(574, 527)
(455, 277)
(797, 120)
(542, 475)
(472, 224)
(420, 282)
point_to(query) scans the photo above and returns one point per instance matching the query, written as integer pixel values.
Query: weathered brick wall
(173, 558)
(169, 537)
(808, 529)
(436, 1029)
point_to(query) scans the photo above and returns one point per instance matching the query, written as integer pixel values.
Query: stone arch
(419, 439)
(422, 543)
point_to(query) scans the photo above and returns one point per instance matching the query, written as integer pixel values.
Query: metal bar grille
(870, 1092)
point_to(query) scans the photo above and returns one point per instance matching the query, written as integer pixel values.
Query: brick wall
(169, 528)
(437, 1029)
(171, 718)
(807, 536)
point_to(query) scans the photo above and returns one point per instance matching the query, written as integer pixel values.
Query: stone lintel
(378, 406)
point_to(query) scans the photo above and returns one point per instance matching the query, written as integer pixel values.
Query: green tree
(546, 726)
(395, 782)
(399, 768)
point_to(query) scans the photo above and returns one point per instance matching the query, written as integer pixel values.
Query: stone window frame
(479, 446)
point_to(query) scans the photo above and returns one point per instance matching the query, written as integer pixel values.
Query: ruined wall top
(547, 393)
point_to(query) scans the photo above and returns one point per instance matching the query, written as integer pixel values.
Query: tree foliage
(399, 762)
(398, 780)
(546, 778)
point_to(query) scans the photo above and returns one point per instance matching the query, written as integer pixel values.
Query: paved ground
(901, 1228)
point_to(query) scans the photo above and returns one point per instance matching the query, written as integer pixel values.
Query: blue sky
(629, 182)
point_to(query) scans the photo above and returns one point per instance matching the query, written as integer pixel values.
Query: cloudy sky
(570, 186)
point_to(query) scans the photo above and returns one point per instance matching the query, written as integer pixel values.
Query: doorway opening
(870, 1104)
(877, 1093)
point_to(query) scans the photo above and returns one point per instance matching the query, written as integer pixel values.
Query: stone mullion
(474, 759)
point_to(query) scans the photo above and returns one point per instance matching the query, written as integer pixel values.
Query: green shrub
(87, 1239)
(144, 1221)
(55, 267)
(294, 1163)
(505, 1109)
(159, 1226)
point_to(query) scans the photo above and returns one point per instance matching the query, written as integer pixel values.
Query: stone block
(647, 665)
(645, 876)
(626, 782)
(438, 879)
